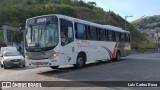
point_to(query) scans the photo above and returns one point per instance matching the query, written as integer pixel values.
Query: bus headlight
(53, 55)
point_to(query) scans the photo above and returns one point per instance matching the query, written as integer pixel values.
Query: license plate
(15, 62)
(38, 63)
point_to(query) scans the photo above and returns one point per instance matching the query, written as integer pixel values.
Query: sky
(136, 8)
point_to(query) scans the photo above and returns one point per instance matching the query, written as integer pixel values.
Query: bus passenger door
(67, 38)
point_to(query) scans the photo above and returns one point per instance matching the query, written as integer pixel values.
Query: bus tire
(118, 55)
(80, 61)
(54, 67)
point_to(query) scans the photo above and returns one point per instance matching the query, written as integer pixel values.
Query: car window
(11, 54)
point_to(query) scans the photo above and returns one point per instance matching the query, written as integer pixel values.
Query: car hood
(13, 57)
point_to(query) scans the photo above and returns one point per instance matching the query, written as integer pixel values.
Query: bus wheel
(80, 61)
(118, 56)
(54, 67)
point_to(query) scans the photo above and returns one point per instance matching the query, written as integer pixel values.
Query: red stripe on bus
(115, 50)
(110, 53)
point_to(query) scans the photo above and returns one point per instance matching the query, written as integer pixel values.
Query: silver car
(12, 58)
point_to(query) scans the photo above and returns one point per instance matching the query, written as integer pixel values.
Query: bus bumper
(43, 63)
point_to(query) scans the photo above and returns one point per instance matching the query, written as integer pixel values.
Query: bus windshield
(42, 35)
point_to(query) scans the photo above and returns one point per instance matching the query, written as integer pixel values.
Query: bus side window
(88, 33)
(117, 36)
(98, 34)
(122, 37)
(106, 35)
(110, 35)
(102, 34)
(66, 32)
(80, 31)
(125, 37)
(113, 36)
(93, 33)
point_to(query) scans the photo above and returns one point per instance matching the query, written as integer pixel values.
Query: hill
(149, 26)
(150, 22)
(14, 12)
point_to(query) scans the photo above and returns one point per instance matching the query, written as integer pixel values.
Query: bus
(54, 40)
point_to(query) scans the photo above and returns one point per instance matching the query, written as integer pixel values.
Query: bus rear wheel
(80, 61)
(118, 55)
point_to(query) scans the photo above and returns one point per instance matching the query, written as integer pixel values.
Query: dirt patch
(84, 14)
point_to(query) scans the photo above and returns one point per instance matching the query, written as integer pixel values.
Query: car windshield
(11, 54)
(43, 33)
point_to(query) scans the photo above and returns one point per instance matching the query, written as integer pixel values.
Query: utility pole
(126, 21)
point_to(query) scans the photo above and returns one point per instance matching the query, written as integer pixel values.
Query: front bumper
(12, 63)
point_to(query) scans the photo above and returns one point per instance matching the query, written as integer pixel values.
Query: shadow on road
(62, 70)
(19, 68)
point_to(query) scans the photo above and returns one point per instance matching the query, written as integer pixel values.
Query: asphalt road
(136, 67)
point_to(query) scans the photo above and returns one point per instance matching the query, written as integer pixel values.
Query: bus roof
(84, 22)
(116, 28)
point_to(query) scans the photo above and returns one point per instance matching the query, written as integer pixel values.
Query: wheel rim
(80, 61)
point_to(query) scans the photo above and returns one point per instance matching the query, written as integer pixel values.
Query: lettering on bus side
(86, 46)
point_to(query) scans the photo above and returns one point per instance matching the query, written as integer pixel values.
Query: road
(136, 67)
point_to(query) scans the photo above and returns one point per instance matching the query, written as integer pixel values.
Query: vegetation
(1, 36)
(14, 12)
(150, 22)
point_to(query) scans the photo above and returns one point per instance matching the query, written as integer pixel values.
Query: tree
(42, 1)
(82, 3)
(92, 3)
(29, 2)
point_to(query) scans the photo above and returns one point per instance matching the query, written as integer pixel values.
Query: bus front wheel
(80, 61)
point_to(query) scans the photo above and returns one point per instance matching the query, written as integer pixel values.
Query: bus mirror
(21, 26)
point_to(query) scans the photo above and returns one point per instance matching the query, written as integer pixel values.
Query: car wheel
(5, 67)
(80, 61)
(1, 66)
(54, 67)
(23, 66)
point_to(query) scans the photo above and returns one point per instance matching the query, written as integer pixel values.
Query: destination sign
(41, 20)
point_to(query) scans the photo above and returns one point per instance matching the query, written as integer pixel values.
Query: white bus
(55, 40)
